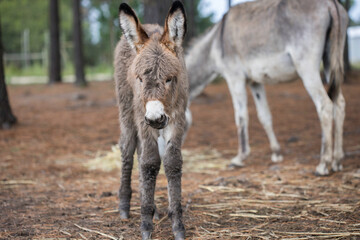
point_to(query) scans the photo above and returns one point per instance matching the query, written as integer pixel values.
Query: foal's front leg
(149, 169)
(173, 170)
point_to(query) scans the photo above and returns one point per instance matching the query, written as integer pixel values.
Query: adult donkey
(273, 41)
(152, 93)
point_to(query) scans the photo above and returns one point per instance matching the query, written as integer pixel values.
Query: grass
(39, 70)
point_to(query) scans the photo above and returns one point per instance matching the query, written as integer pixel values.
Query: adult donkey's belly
(271, 69)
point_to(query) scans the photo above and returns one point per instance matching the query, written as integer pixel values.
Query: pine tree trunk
(190, 8)
(7, 119)
(54, 58)
(156, 11)
(347, 64)
(78, 51)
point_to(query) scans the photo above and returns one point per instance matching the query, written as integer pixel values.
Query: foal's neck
(199, 63)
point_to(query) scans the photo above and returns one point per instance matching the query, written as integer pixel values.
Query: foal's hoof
(156, 215)
(146, 235)
(124, 214)
(179, 235)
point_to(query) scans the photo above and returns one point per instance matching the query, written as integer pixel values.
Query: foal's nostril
(157, 123)
(161, 119)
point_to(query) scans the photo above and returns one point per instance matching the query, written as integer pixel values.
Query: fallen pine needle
(65, 232)
(98, 232)
(161, 220)
(249, 215)
(15, 182)
(82, 236)
(321, 233)
(112, 211)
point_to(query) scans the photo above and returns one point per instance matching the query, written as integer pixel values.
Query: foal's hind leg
(128, 141)
(324, 106)
(264, 115)
(339, 116)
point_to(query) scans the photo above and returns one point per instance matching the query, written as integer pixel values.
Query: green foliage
(18, 15)
(201, 22)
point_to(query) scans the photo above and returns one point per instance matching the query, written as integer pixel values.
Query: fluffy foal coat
(152, 93)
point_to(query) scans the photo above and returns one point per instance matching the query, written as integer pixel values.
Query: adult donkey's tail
(334, 48)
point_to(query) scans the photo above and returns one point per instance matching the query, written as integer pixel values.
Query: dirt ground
(48, 191)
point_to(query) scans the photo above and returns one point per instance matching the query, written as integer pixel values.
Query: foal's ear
(131, 27)
(175, 25)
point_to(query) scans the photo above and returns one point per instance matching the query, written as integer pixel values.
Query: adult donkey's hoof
(322, 170)
(336, 166)
(179, 235)
(276, 157)
(237, 162)
(146, 235)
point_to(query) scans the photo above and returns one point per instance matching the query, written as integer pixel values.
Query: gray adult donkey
(273, 41)
(152, 94)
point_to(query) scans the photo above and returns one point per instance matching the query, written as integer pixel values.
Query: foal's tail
(334, 49)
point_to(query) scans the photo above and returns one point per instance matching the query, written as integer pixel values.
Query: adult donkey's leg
(149, 169)
(128, 142)
(264, 115)
(237, 87)
(339, 116)
(310, 75)
(173, 165)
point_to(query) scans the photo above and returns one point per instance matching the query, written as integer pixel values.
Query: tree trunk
(78, 51)
(54, 58)
(347, 66)
(7, 119)
(229, 4)
(190, 7)
(155, 11)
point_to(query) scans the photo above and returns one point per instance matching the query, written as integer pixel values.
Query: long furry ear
(175, 25)
(131, 27)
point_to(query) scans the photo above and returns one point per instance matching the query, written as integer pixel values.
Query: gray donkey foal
(152, 93)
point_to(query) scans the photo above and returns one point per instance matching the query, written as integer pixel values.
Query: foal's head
(157, 69)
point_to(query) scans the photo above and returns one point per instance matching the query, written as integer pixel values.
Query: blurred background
(60, 164)
(26, 33)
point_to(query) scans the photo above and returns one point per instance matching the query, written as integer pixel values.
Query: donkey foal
(152, 93)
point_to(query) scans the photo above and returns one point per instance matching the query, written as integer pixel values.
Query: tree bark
(7, 118)
(229, 4)
(54, 58)
(347, 65)
(156, 11)
(190, 7)
(77, 40)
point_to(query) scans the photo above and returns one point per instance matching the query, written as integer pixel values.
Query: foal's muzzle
(158, 123)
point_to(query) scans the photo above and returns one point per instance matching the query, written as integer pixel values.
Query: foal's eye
(139, 79)
(170, 79)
